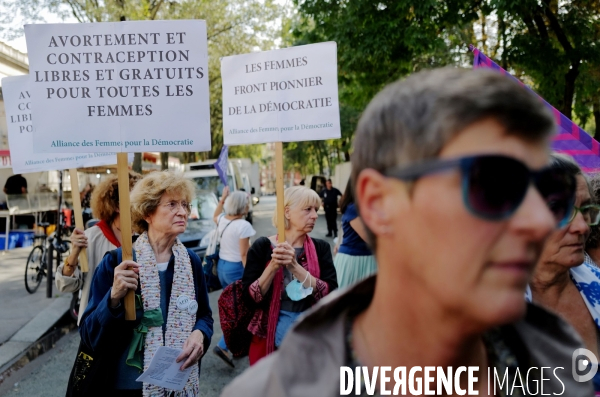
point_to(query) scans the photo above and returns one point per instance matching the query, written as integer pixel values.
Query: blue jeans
(228, 273)
(284, 322)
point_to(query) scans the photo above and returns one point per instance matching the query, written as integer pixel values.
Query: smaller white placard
(164, 371)
(282, 95)
(19, 116)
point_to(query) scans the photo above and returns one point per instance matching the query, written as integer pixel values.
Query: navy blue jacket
(105, 330)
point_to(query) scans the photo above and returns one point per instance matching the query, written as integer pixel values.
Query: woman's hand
(126, 278)
(193, 348)
(79, 240)
(225, 193)
(284, 254)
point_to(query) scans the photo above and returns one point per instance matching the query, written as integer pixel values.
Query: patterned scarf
(179, 322)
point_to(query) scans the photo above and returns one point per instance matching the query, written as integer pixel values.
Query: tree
(549, 44)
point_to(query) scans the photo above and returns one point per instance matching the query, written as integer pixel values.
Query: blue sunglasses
(494, 186)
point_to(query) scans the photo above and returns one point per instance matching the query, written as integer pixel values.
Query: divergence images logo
(584, 361)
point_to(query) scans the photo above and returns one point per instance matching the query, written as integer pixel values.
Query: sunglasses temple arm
(416, 171)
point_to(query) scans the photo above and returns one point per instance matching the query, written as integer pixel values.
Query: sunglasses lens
(558, 190)
(496, 186)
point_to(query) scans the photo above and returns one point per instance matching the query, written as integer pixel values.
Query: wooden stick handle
(83, 260)
(279, 191)
(125, 220)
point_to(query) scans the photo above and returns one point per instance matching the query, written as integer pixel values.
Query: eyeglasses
(590, 212)
(494, 186)
(174, 206)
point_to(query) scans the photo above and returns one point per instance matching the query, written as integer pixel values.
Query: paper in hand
(164, 371)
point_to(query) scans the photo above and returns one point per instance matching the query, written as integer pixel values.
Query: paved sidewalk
(25, 317)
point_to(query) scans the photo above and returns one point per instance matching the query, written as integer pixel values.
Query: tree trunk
(596, 112)
(569, 94)
(137, 163)
(164, 161)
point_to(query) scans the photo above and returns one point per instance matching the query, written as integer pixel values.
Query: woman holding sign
(297, 272)
(172, 306)
(102, 237)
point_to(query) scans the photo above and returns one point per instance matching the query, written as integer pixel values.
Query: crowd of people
(465, 242)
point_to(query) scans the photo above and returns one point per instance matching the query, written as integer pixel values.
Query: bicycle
(36, 267)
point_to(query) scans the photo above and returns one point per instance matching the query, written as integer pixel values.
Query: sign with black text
(119, 86)
(281, 95)
(19, 115)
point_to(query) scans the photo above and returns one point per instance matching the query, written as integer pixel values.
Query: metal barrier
(25, 204)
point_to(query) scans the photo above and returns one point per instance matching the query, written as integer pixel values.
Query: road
(48, 374)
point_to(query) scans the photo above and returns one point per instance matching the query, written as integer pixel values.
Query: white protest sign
(18, 107)
(122, 86)
(281, 96)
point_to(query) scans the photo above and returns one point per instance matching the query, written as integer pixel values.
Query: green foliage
(549, 44)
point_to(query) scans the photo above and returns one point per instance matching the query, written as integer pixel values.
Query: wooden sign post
(279, 192)
(125, 220)
(83, 260)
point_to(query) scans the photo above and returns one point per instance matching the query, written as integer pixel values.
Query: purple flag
(571, 139)
(221, 164)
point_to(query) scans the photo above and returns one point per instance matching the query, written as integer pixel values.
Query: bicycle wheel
(34, 271)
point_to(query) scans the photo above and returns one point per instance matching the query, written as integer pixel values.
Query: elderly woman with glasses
(172, 307)
(562, 282)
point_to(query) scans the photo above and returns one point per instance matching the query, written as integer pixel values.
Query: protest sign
(120, 87)
(281, 96)
(18, 106)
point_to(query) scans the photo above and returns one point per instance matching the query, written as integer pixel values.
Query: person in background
(354, 260)
(283, 279)
(235, 233)
(99, 239)
(330, 196)
(172, 307)
(15, 184)
(592, 244)
(449, 172)
(86, 196)
(86, 202)
(562, 282)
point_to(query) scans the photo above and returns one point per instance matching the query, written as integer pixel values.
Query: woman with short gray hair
(234, 234)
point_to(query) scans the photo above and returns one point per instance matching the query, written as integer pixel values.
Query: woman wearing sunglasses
(449, 170)
(562, 282)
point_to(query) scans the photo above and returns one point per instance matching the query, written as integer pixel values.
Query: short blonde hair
(236, 203)
(146, 195)
(297, 196)
(105, 197)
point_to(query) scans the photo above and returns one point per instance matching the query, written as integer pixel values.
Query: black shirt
(15, 183)
(259, 256)
(330, 196)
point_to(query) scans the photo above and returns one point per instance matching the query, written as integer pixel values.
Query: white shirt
(230, 240)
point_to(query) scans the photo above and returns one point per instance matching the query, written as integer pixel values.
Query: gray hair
(412, 120)
(236, 203)
(593, 240)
